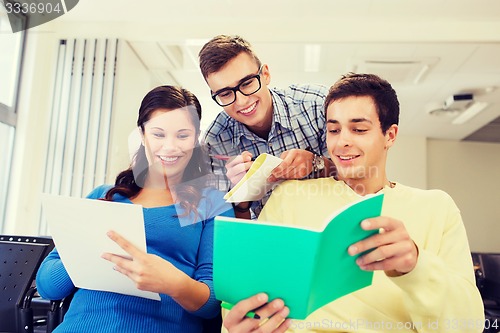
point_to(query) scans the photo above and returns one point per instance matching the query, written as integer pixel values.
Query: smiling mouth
(169, 159)
(249, 109)
(347, 158)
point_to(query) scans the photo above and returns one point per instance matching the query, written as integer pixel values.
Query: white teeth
(248, 110)
(168, 159)
(345, 158)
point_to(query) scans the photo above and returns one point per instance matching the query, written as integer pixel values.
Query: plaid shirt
(298, 122)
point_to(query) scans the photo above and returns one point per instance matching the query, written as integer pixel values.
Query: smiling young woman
(168, 177)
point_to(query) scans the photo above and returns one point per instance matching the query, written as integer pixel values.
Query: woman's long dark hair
(129, 182)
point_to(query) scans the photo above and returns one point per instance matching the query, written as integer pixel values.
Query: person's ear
(390, 135)
(142, 137)
(265, 74)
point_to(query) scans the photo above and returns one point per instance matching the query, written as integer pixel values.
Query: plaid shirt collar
(280, 122)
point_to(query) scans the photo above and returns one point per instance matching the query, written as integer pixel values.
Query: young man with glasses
(288, 123)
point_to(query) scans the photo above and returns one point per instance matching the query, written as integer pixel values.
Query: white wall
(470, 173)
(407, 161)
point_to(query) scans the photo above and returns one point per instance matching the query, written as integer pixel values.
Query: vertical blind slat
(107, 100)
(83, 122)
(93, 131)
(54, 116)
(72, 121)
(62, 122)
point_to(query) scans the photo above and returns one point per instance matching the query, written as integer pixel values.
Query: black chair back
(46, 240)
(213, 325)
(490, 266)
(19, 263)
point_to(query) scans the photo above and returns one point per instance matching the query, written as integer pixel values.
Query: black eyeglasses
(248, 87)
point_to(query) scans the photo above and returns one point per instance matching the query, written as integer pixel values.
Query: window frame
(8, 114)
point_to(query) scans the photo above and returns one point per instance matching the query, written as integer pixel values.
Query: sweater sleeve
(204, 270)
(441, 288)
(52, 279)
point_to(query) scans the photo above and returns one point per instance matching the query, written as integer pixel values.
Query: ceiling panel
(488, 133)
(457, 39)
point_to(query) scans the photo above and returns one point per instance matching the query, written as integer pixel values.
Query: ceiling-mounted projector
(452, 106)
(462, 106)
(458, 101)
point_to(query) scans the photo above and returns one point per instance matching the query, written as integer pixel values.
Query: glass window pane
(10, 44)
(7, 142)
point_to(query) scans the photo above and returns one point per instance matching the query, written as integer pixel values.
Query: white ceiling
(457, 41)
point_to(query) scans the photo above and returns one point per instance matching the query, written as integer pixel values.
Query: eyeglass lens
(248, 87)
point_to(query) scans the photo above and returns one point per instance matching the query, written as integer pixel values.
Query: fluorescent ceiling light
(421, 74)
(470, 112)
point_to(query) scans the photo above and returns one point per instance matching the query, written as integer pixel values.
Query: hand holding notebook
(254, 185)
(304, 267)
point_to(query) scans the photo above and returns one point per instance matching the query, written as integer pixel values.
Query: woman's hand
(153, 273)
(148, 271)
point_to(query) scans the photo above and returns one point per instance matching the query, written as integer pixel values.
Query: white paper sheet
(78, 227)
(254, 185)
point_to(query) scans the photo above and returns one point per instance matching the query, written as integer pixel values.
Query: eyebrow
(239, 82)
(354, 120)
(181, 130)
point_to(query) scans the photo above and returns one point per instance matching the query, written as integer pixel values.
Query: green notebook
(304, 267)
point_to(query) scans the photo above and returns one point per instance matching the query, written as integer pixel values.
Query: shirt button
(279, 131)
(270, 144)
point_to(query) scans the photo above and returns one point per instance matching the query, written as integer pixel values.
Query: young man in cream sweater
(423, 274)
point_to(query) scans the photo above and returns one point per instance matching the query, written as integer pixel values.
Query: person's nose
(241, 100)
(169, 143)
(344, 139)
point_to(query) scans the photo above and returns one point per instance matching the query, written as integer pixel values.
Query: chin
(350, 173)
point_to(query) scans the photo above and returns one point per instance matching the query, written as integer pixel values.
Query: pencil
(224, 157)
(220, 157)
(250, 314)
